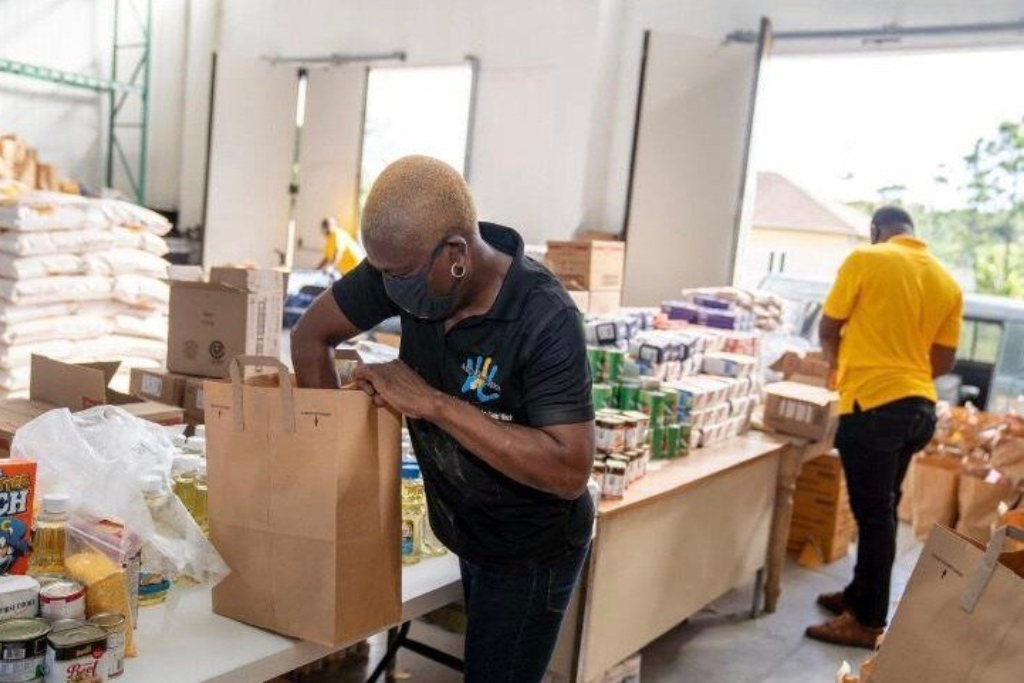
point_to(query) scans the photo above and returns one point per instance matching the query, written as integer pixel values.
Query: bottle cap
(410, 470)
(200, 431)
(152, 483)
(185, 463)
(56, 503)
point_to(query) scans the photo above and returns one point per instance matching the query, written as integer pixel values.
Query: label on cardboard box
(152, 385)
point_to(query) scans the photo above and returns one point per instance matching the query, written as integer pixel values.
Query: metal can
(604, 433)
(77, 654)
(23, 650)
(627, 395)
(614, 484)
(65, 624)
(672, 433)
(599, 470)
(631, 435)
(615, 361)
(656, 441)
(602, 395)
(652, 404)
(114, 624)
(595, 356)
(671, 406)
(62, 600)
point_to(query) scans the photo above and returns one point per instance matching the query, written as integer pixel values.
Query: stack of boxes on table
(660, 398)
(213, 318)
(81, 279)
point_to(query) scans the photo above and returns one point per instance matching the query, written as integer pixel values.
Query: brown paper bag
(905, 510)
(978, 504)
(960, 618)
(935, 489)
(304, 506)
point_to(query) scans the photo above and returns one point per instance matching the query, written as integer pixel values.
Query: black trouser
(876, 447)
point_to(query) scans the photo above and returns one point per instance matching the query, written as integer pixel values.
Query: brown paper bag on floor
(978, 505)
(960, 618)
(905, 511)
(304, 506)
(935, 489)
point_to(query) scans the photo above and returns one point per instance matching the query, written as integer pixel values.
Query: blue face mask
(412, 293)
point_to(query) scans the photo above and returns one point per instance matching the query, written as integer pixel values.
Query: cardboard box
(194, 402)
(54, 384)
(158, 385)
(598, 302)
(809, 368)
(821, 509)
(235, 312)
(801, 410)
(587, 265)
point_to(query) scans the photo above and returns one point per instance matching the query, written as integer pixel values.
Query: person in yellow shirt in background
(341, 251)
(890, 325)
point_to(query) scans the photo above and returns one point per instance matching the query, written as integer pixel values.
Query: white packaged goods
(19, 597)
(81, 280)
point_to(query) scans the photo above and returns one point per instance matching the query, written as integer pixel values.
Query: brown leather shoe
(834, 602)
(846, 630)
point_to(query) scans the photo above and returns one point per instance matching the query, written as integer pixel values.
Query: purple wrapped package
(681, 310)
(708, 301)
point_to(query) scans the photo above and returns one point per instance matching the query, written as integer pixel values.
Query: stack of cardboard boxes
(232, 312)
(821, 510)
(592, 272)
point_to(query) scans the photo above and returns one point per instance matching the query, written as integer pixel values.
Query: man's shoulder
(547, 296)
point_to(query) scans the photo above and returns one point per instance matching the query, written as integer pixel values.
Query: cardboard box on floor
(587, 265)
(235, 312)
(54, 384)
(801, 410)
(821, 509)
(158, 385)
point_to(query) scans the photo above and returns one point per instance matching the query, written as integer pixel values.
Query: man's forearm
(313, 363)
(527, 455)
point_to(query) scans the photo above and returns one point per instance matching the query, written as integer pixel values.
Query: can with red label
(77, 654)
(62, 600)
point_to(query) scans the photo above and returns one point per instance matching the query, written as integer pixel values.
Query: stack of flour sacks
(81, 280)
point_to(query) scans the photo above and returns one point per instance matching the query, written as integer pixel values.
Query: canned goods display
(631, 434)
(23, 650)
(656, 441)
(603, 396)
(608, 434)
(614, 485)
(62, 600)
(76, 654)
(671, 406)
(672, 440)
(114, 625)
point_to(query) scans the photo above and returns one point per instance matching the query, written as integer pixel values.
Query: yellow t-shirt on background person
(897, 301)
(342, 250)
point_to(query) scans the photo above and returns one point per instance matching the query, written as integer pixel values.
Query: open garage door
(686, 211)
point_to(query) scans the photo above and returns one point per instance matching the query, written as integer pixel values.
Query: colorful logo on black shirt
(480, 374)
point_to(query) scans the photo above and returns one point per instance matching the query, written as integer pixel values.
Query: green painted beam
(69, 78)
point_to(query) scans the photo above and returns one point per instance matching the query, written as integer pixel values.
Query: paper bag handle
(978, 582)
(238, 382)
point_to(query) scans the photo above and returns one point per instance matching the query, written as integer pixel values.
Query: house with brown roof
(796, 233)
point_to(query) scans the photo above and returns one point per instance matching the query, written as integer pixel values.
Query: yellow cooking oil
(49, 536)
(414, 509)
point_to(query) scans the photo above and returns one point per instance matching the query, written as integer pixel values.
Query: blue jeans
(514, 617)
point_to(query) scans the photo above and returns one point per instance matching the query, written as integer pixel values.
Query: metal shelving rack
(132, 35)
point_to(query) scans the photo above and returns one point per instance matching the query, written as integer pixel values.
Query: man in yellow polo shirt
(341, 251)
(890, 326)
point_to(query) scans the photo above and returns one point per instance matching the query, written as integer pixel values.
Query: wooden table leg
(789, 469)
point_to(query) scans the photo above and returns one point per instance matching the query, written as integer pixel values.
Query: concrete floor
(719, 645)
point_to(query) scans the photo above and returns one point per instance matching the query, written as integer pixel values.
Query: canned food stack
(81, 279)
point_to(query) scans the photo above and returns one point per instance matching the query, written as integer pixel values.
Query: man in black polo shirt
(494, 383)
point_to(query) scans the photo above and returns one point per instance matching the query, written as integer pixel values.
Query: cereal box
(17, 490)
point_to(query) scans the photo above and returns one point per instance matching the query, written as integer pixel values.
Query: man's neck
(490, 267)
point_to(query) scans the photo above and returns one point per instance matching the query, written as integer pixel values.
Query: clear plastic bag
(98, 457)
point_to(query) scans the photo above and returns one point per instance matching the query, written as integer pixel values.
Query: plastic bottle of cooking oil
(49, 536)
(154, 586)
(414, 509)
(202, 510)
(184, 470)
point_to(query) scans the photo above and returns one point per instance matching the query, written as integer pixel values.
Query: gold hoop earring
(458, 271)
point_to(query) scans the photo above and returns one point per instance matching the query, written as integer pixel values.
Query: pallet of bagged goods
(81, 279)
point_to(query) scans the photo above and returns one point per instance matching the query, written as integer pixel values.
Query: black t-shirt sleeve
(556, 374)
(362, 298)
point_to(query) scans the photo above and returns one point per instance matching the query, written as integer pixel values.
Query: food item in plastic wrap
(106, 588)
(17, 493)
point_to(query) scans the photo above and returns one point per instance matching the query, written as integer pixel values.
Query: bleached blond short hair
(417, 201)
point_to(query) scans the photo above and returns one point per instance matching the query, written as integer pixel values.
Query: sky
(845, 126)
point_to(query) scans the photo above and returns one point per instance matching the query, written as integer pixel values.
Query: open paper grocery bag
(304, 506)
(961, 619)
